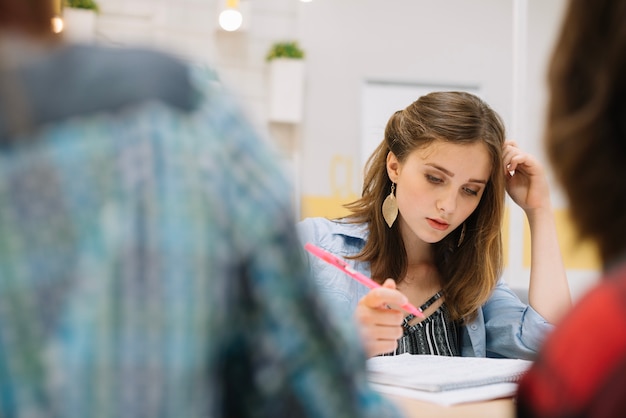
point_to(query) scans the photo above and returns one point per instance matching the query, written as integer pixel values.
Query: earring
(390, 207)
(462, 236)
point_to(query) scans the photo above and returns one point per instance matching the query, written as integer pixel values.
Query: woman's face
(438, 187)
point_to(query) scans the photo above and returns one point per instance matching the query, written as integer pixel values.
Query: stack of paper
(444, 379)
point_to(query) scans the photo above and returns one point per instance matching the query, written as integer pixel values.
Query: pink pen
(345, 267)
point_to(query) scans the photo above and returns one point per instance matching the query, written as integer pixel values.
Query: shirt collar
(350, 229)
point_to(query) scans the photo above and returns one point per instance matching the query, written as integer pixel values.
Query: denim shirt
(504, 326)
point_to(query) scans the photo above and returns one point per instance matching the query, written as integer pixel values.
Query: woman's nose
(446, 203)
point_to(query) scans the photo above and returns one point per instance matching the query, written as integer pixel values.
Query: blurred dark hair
(586, 122)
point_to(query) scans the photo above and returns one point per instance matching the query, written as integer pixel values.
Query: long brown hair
(586, 124)
(469, 271)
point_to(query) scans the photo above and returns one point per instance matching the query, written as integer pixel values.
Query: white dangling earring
(390, 207)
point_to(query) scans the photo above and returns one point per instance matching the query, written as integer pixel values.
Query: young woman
(428, 228)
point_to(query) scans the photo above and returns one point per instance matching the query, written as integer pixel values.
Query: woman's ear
(393, 167)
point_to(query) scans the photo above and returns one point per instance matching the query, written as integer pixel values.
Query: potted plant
(79, 20)
(286, 81)
(285, 50)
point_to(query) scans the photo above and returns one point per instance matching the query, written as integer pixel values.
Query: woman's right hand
(380, 319)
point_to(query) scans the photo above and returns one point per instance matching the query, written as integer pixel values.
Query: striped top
(437, 334)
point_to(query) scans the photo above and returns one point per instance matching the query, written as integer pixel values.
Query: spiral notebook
(441, 373)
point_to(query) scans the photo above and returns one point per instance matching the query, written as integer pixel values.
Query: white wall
(419, 41)
(189, 29)
(347, 42)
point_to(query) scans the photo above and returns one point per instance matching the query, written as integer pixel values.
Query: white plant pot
(79, 25)
(286, 90)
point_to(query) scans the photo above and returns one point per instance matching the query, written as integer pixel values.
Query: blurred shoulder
(71, 80)
(119, 76)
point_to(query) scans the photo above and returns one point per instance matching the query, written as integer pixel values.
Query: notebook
(440, 373)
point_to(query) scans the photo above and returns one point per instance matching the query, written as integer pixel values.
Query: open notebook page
(440, 373)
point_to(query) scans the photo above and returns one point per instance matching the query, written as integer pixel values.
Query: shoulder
(336, 226)
(95, 79)
(334, 235)
(118, 76)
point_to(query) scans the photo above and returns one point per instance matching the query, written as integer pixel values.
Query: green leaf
(82, 4)
(285, 50)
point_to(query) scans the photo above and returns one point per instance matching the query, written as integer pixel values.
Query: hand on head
(380, 318)
(526, 181)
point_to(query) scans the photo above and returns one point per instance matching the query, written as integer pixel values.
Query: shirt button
(474, 327)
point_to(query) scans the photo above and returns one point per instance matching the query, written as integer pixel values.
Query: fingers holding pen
(380, 318)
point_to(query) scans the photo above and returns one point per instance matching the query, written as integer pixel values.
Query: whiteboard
(380, 99)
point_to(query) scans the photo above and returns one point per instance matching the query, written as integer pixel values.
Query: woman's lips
(438, 224)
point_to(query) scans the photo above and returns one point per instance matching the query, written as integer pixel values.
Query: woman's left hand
(526, 181)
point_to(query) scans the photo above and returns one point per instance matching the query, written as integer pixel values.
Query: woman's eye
(433, 179)
(471, 192)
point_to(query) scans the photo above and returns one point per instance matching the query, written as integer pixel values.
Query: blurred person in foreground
(149, 264)
(581, 371)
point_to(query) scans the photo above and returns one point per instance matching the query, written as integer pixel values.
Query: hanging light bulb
(57, 24)
(230, 18)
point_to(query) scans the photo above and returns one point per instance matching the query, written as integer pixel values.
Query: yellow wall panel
(324, 206)
(505, 235)
(577, 255)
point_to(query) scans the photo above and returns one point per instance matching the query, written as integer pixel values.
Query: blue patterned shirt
(149, 265)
